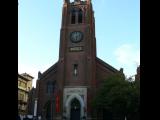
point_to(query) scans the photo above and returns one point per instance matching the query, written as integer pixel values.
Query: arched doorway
(75, 110)
(69, 103)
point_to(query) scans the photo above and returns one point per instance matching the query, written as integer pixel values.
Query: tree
(133, 102)
(118, 97)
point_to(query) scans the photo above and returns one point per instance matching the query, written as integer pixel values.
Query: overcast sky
(117, 25)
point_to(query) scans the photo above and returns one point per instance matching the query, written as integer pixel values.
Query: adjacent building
(24, 87)
(137, 76)
(31, 101)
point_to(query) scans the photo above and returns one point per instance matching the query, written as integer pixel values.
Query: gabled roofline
(53, 67)
(106, 65)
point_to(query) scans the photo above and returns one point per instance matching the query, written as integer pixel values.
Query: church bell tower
(77, 54)
(65, 90)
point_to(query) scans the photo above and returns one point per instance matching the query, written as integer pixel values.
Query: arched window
(73, 17)
(75, 69)
(50, 87)
(80, 16)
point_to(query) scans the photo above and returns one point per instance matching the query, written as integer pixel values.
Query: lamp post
(35, 109)
(125, 118)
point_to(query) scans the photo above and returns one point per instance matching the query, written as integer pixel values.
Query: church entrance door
(75, 109)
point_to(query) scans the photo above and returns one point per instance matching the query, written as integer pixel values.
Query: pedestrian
(39, 117)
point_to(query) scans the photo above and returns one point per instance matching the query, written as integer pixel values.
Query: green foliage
(118, 96)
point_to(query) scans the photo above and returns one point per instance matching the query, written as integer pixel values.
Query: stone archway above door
(79, 93)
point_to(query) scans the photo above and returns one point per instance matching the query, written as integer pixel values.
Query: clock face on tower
(76, 36)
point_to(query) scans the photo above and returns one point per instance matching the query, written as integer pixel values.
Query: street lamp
(35, 109)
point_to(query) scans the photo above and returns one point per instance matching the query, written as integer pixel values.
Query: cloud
(128, 57)
(126, 54)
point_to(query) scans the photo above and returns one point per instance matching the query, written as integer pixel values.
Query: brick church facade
(65, 90)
